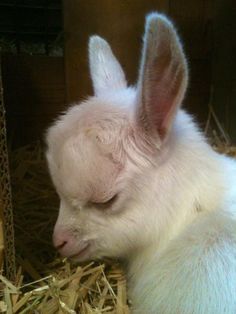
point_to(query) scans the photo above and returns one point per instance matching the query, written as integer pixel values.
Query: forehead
(80, 152)
(84, 172)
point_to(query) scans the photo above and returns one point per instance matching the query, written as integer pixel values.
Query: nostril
(61, 238)
(59, 246)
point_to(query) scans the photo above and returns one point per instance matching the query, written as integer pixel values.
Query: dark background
(44, 55)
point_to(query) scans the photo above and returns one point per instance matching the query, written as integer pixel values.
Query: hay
(35, 205)
(91, 289)
(217, 136)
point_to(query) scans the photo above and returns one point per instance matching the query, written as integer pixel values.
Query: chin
(82, 255)
(80, 259)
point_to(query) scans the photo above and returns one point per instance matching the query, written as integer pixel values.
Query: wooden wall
(34, 86)
(121, 22)
(224, 64)
(34, 93)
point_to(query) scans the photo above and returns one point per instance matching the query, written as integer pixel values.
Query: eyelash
(106, 204)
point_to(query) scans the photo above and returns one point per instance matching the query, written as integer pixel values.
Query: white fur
(173, 221)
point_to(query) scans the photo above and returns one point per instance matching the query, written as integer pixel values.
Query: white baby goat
(137, 181)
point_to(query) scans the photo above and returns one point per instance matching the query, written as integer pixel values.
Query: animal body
(137, 181)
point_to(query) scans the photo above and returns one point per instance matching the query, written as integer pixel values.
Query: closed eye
(104, 205)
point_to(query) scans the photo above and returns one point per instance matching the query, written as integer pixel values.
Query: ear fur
(163, 77)
(105, 70)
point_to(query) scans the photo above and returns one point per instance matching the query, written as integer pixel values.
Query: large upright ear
(163, 77)
(105, 70)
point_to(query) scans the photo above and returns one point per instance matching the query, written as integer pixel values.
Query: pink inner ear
(163, 88)
(162, 95)
(163, 78)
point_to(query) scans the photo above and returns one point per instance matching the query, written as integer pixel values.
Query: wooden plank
(194, 22)
(7, 247)
(1, 235)
(34, 95)
(33, 84)
(224, 65)
(26, 129)
(198, 93)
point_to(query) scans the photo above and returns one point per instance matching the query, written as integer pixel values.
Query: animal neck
(176, 192)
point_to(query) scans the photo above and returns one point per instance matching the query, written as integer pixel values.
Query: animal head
(102, 152)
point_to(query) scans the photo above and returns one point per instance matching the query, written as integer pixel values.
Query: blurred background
(44, 55)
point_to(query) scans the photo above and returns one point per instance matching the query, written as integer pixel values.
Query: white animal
(138, 181)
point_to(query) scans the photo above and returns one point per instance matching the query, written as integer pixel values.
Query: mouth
(82, 254)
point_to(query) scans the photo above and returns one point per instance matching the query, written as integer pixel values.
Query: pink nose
(61, 238)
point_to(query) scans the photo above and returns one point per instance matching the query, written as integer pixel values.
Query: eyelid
(107, 204)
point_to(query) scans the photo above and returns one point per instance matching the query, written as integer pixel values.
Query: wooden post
(7, 248)
(1, 235)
